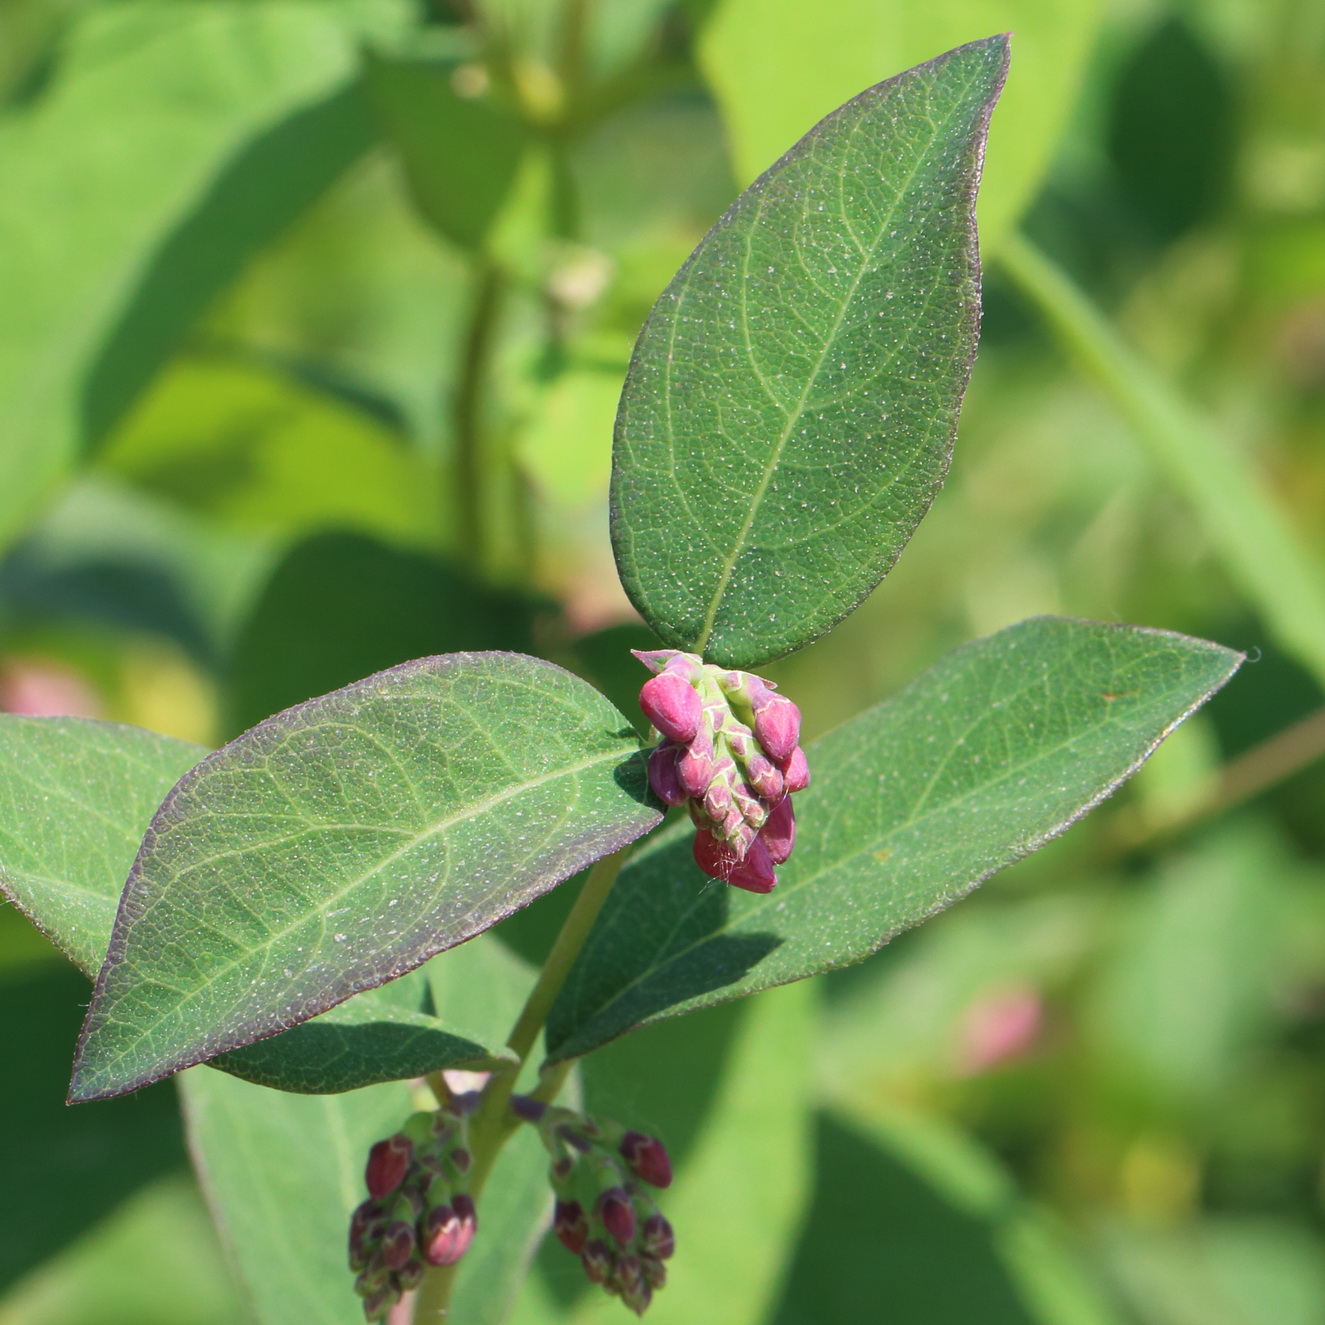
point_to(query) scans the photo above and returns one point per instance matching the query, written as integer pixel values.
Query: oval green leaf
(343, 842)
(790, 407)
(996, 749)
(75, 798)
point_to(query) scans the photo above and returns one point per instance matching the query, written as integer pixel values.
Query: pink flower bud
(673, 706)
(717, 800)
(398, 1244)
(617, 1213)
(695, 769)
(657, 1238)
(597, 1260)
(441, 1236)
(755, 873)
(753, 810)
(663, 776)
(779, 834)
(648, 1157)
(571, 1226)
(777, 725)
(765, 779)
(714, 857)
(388, 1162)
(796, 772)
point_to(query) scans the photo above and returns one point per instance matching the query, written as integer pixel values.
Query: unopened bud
(617, 1213)
(755, 873)
(597, 1260)
(365, 1226)
(765, 779)
(673, 705)
(796, 772)
(648, 1157)
(571, 1226)
(657, 1238)
(388, 1162)
(779, 834)
(460, 1160)
(663, 775)
(635, 1293)
(411, 1275)
(695, 768)
(654, 1272)
(398, 1244)
(376, 1305)
(777, 725)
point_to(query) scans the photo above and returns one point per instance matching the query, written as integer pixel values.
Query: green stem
(467, 416)
(493, 1124)
(1252, 536)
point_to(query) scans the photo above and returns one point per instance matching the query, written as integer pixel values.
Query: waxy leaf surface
(790, 408)
(345, 841)
(996, 749)
(75, 799)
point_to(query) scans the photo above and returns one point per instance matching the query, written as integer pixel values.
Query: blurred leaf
(1221, 1271)
(911, 1213)
(741, 1117)
(63, 1169)
(999, 747)
(777, 66)
(173, 140)
(790, 407)
(156, 1261)
(461, 153)
(344, 605)
(283, 1172)
(256, 449)
(76, 796)
(456, 789)
(566, 449)
(1193, 976)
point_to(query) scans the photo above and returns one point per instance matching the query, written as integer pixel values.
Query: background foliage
(309, 351)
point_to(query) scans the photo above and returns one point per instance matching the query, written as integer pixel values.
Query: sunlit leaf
(343, 842)
(996, 749)
(790, 407)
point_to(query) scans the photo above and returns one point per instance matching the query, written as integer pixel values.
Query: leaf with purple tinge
(345, 841)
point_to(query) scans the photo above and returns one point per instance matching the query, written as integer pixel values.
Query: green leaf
(173, 140)
(461, 153)
(283, 1173)
(343, 842)
(777, 66)
(77, 796)
(999, 747)
(342, 605)
(790, 407)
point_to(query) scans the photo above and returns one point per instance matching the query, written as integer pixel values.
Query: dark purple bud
(562, 1167)
(657, 1238)
(777, 725)
(673, 705)
(796, 772)
(461, 1160)
(654, 1272)
(663, 775)
(755, 873)
(411, 1275)
(376, 1305)
(528, 1108)
(597, 1260)
(464, 1207)
(398, 1244)
(571, 1226)
(635, 1293)
(388, 1162)
(617, 1213)
(779, 834)
(648, 1157)
(366, 1225)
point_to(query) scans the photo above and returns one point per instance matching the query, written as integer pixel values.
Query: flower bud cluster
(731, 755)
(418, 1212)
(604, 1216)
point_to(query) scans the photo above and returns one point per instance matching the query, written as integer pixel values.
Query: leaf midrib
(474, 811)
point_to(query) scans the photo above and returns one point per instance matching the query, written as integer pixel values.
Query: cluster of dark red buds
(418, 1212)
(731, 755)
(604, 1216)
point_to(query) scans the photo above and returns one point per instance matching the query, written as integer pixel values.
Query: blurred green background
(313, 315)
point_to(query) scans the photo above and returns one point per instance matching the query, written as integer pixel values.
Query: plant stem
(493, 1123)
(467, 416)
(1259, 549)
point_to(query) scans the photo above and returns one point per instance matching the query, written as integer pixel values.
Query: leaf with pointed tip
(790, 407)
(996, 749)
(75, 798)
(343, 842)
